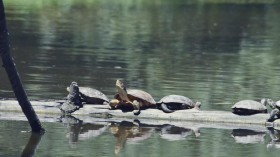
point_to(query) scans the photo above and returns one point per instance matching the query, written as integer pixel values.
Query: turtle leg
(113, 104)
(273, 113)
(197, 105)
(165, 108)
(277, 114)
(136, 106)
(105, 103)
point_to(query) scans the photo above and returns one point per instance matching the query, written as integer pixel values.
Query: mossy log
(49, 107)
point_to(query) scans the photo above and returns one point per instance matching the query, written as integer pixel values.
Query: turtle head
(114, 103)
(136, 107)
(72, 85)
(121, 90)
(74, 88)
(268, 102)
(74, 94)
(120, 85)
(197, 105)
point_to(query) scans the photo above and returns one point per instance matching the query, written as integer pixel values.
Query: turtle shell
(92, 96)
(277, 104)
(179, 99)
(248, 107)
(139, 95)
(170, 103)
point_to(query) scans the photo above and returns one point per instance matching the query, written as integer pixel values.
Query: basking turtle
(171, 103)
(79, 95)
(249, 107)
(91, 96)
(131, 99)
(73, 101)
(275, 112)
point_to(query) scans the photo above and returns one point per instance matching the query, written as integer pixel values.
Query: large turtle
(78, 96)
(91, 96)
(171, 103)
(275, 112)
(131, 99)
(249, 107)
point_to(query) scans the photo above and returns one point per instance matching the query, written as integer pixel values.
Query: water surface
(214, 52)
(127, 138)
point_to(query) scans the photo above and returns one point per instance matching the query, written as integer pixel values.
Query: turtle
(249, 107)
(275, 112)
(131, 99)
(73, 101)
(78, 96)
(171, 103)
(91, 96)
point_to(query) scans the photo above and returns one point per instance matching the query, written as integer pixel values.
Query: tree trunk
(9, 65)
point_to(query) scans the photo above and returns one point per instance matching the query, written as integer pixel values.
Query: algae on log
(13, 75)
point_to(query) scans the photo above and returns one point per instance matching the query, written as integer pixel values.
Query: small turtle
(134, 99)
(73, 101)
(249, 107)
(91, 96)
(171, 103)
(79, 95)
(275, 112)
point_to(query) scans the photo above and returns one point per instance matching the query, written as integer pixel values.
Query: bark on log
(13, 75)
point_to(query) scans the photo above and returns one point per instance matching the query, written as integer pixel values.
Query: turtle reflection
(78, 130)
(275, 139)
(246, 136)
(174, 133)
(131, 132)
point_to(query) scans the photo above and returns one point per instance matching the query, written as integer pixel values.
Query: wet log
(49, 107)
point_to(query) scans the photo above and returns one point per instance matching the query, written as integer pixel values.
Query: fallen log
(49, 107)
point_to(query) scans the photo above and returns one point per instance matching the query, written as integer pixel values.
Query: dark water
(73, 137)
(216, 53)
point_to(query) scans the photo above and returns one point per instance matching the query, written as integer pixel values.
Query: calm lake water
(213, 52)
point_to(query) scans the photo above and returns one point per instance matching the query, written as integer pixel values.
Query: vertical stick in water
(9, 65)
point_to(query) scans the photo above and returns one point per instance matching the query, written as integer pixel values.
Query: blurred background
(214, 51)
